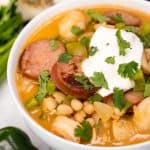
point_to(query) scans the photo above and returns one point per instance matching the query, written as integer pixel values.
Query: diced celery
(50, 87)
(76, 49)
(31, 103)
(145, 28)
(139, 81)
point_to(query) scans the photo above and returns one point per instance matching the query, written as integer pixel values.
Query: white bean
(59, 97)
(76, 105)
(79, 116)
(64, 109)
(88, 108)
(48, 104)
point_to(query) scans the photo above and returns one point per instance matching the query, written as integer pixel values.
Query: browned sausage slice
(40, 56)
(128, 18)
(63, 76)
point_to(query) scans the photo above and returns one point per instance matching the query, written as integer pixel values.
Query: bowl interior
(38, 21)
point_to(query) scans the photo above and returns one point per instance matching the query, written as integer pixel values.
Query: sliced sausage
(131, 96)
(128, 18)
(134, 97)
(63, 76)
(40, 56)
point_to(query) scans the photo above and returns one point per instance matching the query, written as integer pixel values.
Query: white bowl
(51, 139)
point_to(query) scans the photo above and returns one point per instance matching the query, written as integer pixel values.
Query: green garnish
(84, 132)
(95, 98)
(92, 50)
(147, 88)
(98, 80)
(85, 41)
(76, 30)
(123, 44)
(43, 81)
(54, 45)
(146, 40)
(132, 29)
(65, 57)
(110, 60)
(118, 18)
(31, 103)
(84, 81)
(128, 70)
(50, 87)
(139, 81)
(119, 100)
(97, 16)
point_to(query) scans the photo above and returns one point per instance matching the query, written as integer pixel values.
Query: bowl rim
(14, 60)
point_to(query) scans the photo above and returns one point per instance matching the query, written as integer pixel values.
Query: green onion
(65, 57)
(76, 30)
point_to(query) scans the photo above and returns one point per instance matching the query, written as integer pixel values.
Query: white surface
(10, 116)
(96, 63)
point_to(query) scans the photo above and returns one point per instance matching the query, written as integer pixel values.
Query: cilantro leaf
(146, 40)
(147, 88)
(97, 16)
(128, 70)
(110, 60)
(92, 50)
(84, 81)
(118, 98)
(84, 131)
(65, 57)
(132, 29)
(95, 98)
(123, 44)
(98, 80)
(54, 45)
(118, 18)
(85, 41)
(76, 30)
(43, 80)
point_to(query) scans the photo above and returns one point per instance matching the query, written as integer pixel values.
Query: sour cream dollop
(105, 40)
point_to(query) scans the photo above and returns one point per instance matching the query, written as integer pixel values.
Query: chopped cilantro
(132, 29)
(84, 131)
(110, 60)
(128, 70)
(98, 80)
(95, 98)
(65, 57)
(97, 16)
(43, 80)
(123, 44)
(85, 41)
(118, 18)
(146, 40)
(76, 30)
(92, 50)
(118, 98)
(147, 88)
(54, 45)
(84, 81)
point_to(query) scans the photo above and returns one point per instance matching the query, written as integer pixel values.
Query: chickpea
(79, 116)
(73, 18)
(91, 121)
(59, 97)
(88, 108)
(48, 104)
(76, 105)
(64, 109)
